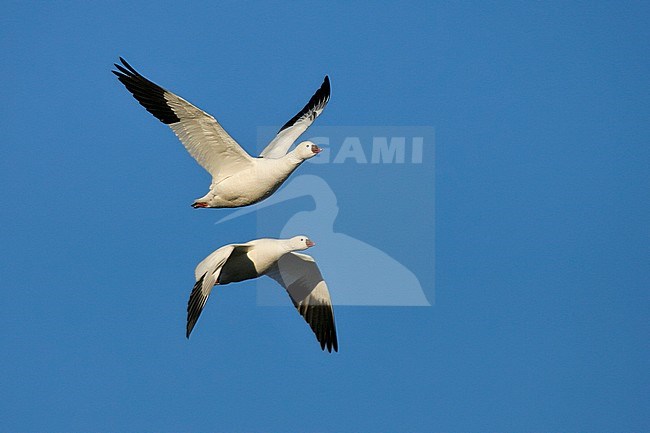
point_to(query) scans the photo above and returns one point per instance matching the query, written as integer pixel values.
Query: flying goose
(238, 179)
(277, 259)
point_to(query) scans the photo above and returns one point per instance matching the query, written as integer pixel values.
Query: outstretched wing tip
(301, 278)
(298, 124)
(148, 94)
(330, 345)
(130, 70)
(201, 134)
(316, 104)
(195, 305)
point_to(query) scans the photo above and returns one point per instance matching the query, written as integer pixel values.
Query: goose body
(279, 260)
(238, 179)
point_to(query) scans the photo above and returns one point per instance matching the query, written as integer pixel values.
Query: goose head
(306, 150)
(300, 243)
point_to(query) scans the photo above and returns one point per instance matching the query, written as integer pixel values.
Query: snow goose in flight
(275, 258)
(237, 178)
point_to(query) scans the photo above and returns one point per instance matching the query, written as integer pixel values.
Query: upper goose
(275, 258)
(237, 178)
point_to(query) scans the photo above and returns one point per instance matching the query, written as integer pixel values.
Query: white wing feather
(206, 274)
(294, 128)
(200, 133)
(204, 138)
(300, 276)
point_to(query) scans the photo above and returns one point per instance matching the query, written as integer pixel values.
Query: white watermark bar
(376, 150)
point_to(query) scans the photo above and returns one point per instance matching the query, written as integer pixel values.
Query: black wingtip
(194, 307)
(129, 67)
(188, 330)
(325, 328)
(329, 346)
(318, 101)
(326, 87)
(150, 95)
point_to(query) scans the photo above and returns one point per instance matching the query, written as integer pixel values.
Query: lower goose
(278, 259)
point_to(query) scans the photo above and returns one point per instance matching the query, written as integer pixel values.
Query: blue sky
(540, 321)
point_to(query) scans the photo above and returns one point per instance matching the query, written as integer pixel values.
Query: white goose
(237, 178)
(275, 258)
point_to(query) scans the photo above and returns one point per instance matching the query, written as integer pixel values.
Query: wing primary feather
(316, 102)
(300, 276)
(320, 334)
(330, 338)
(150, 95)
(327, 338)
(333, 339)
(309, 315)
(195, 306)
(203, 137)
(322, 331)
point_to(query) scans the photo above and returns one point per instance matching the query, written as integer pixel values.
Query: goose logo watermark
(368, 202)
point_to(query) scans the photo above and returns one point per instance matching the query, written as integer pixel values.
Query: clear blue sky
(541, 313)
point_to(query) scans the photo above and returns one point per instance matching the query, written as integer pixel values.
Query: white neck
(285, 245)
(283, 167)
(293, 158)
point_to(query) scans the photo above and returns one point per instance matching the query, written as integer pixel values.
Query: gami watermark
(379, 150)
